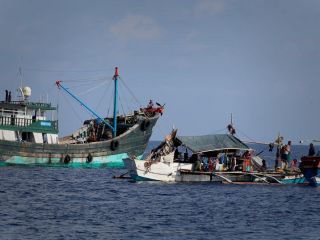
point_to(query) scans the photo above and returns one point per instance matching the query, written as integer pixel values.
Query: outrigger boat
(214, 158)
(27, 136)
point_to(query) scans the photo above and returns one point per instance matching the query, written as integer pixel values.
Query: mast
(115, 103)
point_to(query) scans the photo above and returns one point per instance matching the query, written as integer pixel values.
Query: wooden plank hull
(131, 143)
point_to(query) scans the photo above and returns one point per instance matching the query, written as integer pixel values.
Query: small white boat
(165, 170)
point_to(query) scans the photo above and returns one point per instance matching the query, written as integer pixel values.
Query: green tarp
(214, 142)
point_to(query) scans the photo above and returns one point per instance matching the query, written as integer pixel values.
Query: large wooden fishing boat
(27, 136)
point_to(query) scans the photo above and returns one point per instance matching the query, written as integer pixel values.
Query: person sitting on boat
(312, 150)
(294, 165)
(233, 163)
(197, 166)
(220, 162)
(205, 164)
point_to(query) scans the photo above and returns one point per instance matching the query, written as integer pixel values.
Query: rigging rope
(103, 94)
(219, 131)
(122, 106)
(93, 88)
(127, 103)
(135, 98)
(65, 71)
(89, 79)
(72, 108)
(109, 105)
(246, 135)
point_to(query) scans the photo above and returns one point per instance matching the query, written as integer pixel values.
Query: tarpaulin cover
(214, 142)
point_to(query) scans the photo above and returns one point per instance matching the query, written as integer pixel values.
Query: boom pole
(58, 83)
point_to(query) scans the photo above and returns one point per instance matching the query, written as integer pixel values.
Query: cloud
(136, 27)
(209, 7)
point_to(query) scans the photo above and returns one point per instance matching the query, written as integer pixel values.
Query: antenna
(231, 120)
(20, 73)
(20, 77)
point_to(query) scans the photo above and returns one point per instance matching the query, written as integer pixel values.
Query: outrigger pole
(58, 83)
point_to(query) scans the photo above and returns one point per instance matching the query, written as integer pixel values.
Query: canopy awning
(208, 143)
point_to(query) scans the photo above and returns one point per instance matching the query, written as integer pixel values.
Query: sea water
(87, 203)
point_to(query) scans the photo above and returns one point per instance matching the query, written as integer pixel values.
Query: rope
(94, 79)
(102, 96)
(93, 88)
(72, 108)
(218, 131)
(126, 100)
(65, 71)
(109, 105)
(245, 135)
(122, 106)
(135, 98)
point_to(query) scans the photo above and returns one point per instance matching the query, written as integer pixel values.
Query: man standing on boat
(277, 161)
(287, 155)
(312, 151)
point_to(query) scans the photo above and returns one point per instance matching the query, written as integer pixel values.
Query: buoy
(114, 145)
(89, 158)
(67, 159)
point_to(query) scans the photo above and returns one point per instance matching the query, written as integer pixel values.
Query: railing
(13, 121)
(30, 104)
(25, 122)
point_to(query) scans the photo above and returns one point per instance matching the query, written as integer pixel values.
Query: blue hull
(111, 161)
(300, 180)
(312, 176)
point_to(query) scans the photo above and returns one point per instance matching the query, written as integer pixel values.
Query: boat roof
(215, 142)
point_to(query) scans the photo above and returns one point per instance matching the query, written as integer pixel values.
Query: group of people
(222, 162)
(284, 158)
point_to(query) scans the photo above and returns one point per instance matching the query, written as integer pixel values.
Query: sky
(205, 59)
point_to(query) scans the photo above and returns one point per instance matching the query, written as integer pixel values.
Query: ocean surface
(87, 203)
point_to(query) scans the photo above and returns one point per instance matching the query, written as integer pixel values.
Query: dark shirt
(312, 151)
